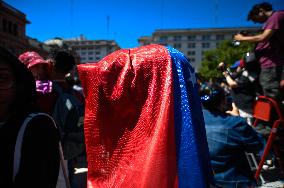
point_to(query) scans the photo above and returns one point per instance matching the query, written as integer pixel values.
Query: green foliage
(226, 53)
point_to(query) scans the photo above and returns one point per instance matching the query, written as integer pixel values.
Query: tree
(225, 52)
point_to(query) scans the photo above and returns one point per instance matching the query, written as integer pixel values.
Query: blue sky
(130, 19)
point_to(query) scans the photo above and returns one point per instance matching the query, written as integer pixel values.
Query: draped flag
(143, 121)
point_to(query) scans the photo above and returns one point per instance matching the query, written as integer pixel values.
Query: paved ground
(276, 184)
(273, 178)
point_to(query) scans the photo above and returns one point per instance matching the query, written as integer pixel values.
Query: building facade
(91, 50)
(12, 28)
(13, 32)
(194, 42)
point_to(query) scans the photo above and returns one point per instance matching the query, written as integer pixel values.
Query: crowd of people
(42, 112)
(229, 103)
(228, 137)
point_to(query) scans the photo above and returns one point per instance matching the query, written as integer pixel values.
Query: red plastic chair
(262, 111)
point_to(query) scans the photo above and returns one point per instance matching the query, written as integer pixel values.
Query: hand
(221, 64)
(238, 37)
(80, 170)
(234, 111)
(282, 84)
(225, 73)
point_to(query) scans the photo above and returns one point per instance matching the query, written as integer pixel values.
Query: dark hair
(64, 62)
(256, 9)
(212, 97)
(25, 83)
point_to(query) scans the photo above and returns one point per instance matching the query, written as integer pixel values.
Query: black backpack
(68, 114)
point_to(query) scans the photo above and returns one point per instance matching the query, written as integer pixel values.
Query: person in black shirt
(243, 88)
(38, 164)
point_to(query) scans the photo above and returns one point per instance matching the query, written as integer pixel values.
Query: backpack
(18, 151)
(68, 114)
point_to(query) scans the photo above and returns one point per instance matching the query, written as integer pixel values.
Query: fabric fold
(129, 123)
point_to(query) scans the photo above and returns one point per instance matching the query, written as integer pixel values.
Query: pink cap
(31, 58)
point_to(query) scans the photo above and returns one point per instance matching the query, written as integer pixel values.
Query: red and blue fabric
(143, 121)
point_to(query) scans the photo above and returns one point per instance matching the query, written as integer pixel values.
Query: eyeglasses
(6, 82)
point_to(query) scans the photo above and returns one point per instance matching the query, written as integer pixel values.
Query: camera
(222, 67)
(237, 43)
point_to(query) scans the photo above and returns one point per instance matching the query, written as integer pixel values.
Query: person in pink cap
(41, 70)
(38, 66)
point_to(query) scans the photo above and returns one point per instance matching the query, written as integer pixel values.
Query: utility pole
(216, 12)
(71, 16)
(162, 14)
(108, 23)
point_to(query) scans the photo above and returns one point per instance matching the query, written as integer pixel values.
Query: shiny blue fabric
(194, 169)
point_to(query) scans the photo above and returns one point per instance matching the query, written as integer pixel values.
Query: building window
(205, 45)
(98, 53)
(177, 38)
(191, 45)
(98, 58)
(109, 49)
(163, 39)
(10, 27)
(220, 37)
(90, 58)
(4, 25)
(205, 37)
(83, 53)
(191, 37)
(192, 59)
(97, 48)
(177, 45)
(90, 48)
(191, 53)
(90, 53)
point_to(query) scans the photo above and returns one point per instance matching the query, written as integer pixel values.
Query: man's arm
(264, 36)
(232, 83)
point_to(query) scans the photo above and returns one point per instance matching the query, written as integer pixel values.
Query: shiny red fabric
(129, 123)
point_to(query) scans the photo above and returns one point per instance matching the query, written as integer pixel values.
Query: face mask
(43, 86)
